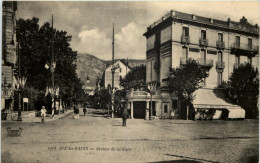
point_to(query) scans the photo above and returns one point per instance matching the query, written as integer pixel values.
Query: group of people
(76, 112)
(125, 114)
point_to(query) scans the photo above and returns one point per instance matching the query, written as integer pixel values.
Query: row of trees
(35, 51)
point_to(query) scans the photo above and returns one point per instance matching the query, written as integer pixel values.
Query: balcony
(244, 49)
(204, 62)
(220, 65)
(220, 44)
(185, 39)
(203, 42)
(183, 60)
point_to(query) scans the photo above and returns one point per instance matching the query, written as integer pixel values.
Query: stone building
(9, 62)
(120, 72)
(215, 44)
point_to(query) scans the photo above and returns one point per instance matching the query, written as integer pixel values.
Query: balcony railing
(183, 60)
(236, 65)
(220, 44)
(204, 62)
(247, 47)
(185, 39)
(203, 42)
(220, 65)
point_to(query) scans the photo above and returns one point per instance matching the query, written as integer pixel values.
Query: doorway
(139, 109)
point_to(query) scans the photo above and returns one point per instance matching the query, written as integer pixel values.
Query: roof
(123, 61)
(242, 25)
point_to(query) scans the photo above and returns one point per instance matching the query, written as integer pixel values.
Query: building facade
(120, 72)
(219, 46)
(9, 55)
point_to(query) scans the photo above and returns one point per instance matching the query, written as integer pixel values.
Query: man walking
(85, 111)
(124, 117)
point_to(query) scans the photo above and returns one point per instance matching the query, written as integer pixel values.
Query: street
(94, 138)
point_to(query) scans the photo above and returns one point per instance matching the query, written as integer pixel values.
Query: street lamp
(53, 89)
(19, 83)
(113, 69)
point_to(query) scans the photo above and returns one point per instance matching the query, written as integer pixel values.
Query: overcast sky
(90, 23)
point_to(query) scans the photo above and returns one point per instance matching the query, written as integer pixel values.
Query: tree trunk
(187, 112)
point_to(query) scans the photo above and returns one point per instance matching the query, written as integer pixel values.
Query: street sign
(25, 100)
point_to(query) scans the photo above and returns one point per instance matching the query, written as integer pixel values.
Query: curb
(38, 119)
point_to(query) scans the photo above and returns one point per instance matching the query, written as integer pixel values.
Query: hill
(89, 65)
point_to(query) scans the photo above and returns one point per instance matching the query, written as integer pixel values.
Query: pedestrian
(52, 112)
(172, 114)
(125, 115)
(43, 113)
(75, 112)
(85, 111)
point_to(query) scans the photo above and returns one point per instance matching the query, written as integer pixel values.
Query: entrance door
(139, 109)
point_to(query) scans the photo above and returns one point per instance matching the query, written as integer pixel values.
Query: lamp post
(52, 67)
(19, 82)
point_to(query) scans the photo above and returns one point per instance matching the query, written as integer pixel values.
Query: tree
(135, 79)
(185, 80)
(36, 51)
(242, 89)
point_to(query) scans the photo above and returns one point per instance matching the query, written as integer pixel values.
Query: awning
(236, 113)
(215, 99)
(209, 98)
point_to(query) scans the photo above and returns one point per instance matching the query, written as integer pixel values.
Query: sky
(90, 23)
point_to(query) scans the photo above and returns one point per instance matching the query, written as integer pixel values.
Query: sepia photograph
(130, 81)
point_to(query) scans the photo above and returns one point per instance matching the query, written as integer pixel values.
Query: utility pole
(19, 118)
(52, 65)
(151, 90)
(113, 72)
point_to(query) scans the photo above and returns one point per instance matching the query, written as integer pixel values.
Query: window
(219, 78)
(237, 59)
(165, 108)
(185, 32)
(237, 41)
(220, 56)
(157, 40)
(203, 35)
(185, 52)
(249, 44)
(249, 60)
(220, 37)
(203, 54)
(120, 69)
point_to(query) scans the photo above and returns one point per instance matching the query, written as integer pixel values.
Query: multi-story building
(219, 46)
(121, 69)
(9, 63)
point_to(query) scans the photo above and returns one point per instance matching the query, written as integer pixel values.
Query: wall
(121, 71)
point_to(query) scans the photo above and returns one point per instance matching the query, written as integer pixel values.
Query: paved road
(94, 138)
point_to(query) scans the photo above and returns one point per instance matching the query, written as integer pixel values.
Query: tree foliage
(36, 51)
(186, 79)
(242, 88)
(135, 79)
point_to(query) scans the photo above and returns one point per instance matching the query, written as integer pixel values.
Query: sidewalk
(38, 119)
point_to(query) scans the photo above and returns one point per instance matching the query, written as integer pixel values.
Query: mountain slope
(89, 65)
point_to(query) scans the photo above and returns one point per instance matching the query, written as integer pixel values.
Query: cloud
(129, 42)
(95, 42)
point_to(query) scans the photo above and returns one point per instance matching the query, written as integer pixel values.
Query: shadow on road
(190, 159)
(179, 161)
